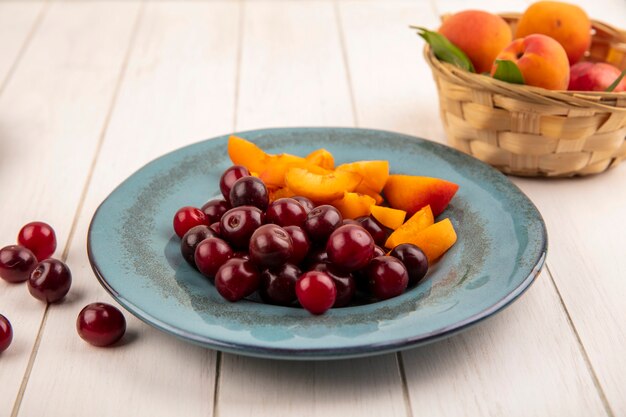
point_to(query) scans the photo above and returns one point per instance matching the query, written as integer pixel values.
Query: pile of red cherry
(49, 280)
(291, 251)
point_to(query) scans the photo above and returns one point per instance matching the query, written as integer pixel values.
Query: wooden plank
(291, 68)
(179, 87)
(53, 106)
(587, 262)
(492, 369)
(18, 21)
(292, 74)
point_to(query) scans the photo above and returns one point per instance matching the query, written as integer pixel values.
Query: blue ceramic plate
(133, 250)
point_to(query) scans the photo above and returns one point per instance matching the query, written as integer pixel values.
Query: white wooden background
(90, 91)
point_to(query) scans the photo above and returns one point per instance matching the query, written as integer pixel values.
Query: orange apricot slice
(321, 188)
(374, 173)
(418, 222)
(245, 153)
(280, 193)
(364, 189)
(411, 193)
(353, 205)
(435, 240)
(322, 158)
(277, 166)
(389, 217)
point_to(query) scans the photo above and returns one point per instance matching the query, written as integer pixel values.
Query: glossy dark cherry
(249, 191)
(344, 283)
(238, 225)
(305, 202)
(188, 217)
(270, 246)
(379, 232)
(414, 260)
(229, 177)
(301, 243)
(350, 247)
(286, 212)
(16, 263)
(6, 333)
(378, 251)
(278, 285)
(215, 209)
(387, 277)
(192, 238)
(40, 238)
(316, 291)
(100, 324)
(237, 278)
(321, 222)
(211, 254)
(50, 280)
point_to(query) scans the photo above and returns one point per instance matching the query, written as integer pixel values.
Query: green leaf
(508, 71)
(444, 50)
(616, 82)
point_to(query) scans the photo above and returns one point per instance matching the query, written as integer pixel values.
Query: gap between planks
(581, 346)
(81, 201)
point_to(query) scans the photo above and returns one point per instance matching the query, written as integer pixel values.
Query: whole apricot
(541, 60)
(479, 34)
(568, 24)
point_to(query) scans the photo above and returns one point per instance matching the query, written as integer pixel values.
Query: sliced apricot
(364, 189)
(374, 173)
(435, 240)
(418, 222)
(353, 205)
(322, 158)
(277, 165)
(411, 193)
(243, 152)
(389, 217)
(321, 188)
(280, 193)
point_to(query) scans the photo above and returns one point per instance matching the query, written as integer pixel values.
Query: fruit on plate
(567, 23)
(481, 35)
(353, 205)
(418, 222)
(322, 158)
(541, 60)
(411, 193)
(300, 232)
(595, 76)
(434, 240)
(374, 173)
(389, 217)
(321, 188)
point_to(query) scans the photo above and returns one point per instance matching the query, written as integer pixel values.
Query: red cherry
(50, 280)
(188, 217)
(6, 333)
(100, 324)
(316, 291)
(16, 263)
(40, 238)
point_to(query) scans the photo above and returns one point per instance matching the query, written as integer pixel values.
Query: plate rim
(332, 353)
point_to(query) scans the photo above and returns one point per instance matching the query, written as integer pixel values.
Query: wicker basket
(531, 131)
